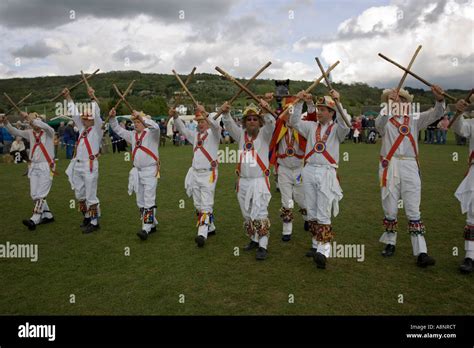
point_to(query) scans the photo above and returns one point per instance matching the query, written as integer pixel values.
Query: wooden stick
(457, 114)
(117, 90)
(405, 74)
(88, 86)
(414, 75)
(308, 90)
(246, 90)
(328, 83)
(185, 88)
(75, 85)
(12, 103)
(188, 80)
(216, 116)
(18, 104)
(124, 94)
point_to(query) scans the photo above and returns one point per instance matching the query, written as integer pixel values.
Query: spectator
(115, 139)
(357, 127)
(61, 130)
(7, 140)
(163, 131)
(363, 132)
(442, 130)
(18, 151)
(431, 133)
(56, 142)
(69, 139)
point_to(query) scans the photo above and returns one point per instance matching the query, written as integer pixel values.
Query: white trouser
(201, 185)
(322, 193)
(85, 182)
(40, 180)
(403, 181)
(143, 181)
(291, 188)
(254, 197)
(465, 195)
(40, 185)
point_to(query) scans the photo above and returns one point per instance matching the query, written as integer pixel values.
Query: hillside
(152, 92)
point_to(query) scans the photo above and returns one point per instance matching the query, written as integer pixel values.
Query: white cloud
(445, 59)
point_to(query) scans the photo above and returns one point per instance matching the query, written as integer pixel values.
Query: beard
(252, 131)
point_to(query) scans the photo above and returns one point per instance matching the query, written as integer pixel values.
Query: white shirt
(47, 138)
(249, 167)
(151, 140)
(95, 134)
(390, 133)
(292, 162)
(308, 130)
(465, 128)
(211, 143)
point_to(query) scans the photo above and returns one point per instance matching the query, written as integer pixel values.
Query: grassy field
(213, 280)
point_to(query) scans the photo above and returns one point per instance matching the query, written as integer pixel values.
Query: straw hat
(402, 93)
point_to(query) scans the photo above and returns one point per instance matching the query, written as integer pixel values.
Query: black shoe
(466, 266)
(320, 260)
(424, 260)
(286, 237)
(310, 253)
(389, 250)
(200, 241)
(85, 223)
(252, 245)
(46, 220)
(30, 224)
(306, 226)
(142, 235)
(212, 233)
(90, 228)
(261, 254)
(153, 230)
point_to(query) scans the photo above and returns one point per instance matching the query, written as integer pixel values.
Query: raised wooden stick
(414, 75)
(405, 74)
(188, 80)
(328, 83)
(457, 114)
(12, 103)
(18, 104)
(88, 86)
(120, 94)
(124, 94)
(246, 90)
(308, 90)
(216, 116)
(75, 85)
(185, 88)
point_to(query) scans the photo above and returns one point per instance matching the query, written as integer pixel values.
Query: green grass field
(213, 280)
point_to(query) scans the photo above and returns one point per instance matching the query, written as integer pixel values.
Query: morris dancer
(41, 167)
(399, 168)
(321, 185)
(253, 185)
(201, 180)
(83, 171)
(143, 177)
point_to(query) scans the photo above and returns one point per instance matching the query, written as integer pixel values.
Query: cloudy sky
(61, 37)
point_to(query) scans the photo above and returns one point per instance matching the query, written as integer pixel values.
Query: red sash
(290, 148)
(320, 145)
(92, 157)
(138, 145)
(249, 147)
(39, 144)
(404, 131)
(200, 146)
